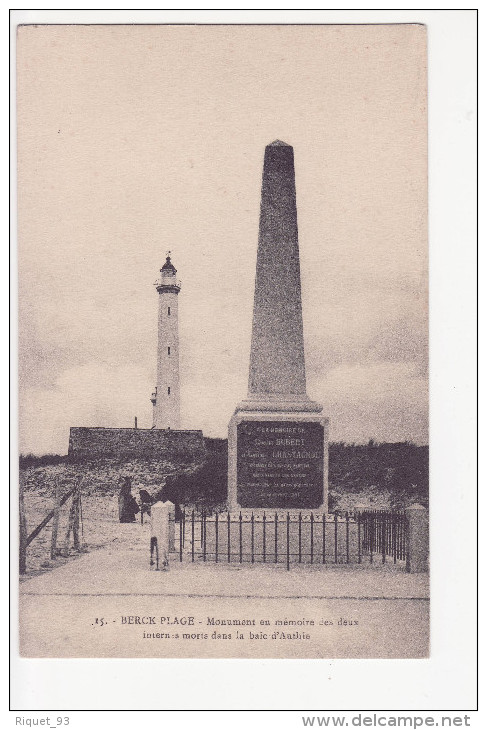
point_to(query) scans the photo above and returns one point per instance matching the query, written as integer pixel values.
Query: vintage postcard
(223, 321)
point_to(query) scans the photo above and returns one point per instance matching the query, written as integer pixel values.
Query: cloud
(383, 400)
(386, 401)
(89, 395)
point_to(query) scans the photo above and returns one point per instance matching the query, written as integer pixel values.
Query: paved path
(383, 611)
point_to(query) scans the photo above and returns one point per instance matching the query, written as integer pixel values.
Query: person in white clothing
(159, 542)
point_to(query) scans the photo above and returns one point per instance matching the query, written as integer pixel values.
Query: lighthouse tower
(165, 399)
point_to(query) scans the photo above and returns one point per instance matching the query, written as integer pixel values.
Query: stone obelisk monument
(278, 439)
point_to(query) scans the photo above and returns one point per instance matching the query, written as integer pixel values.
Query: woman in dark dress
(127, 504)
(146, 502)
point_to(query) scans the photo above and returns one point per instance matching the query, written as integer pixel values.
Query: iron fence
(385, 533)
(293, 537)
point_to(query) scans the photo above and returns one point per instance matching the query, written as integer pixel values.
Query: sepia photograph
(245, 438)
(250, 430)
(223, 323)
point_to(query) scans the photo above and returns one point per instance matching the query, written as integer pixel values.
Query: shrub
(29, 460)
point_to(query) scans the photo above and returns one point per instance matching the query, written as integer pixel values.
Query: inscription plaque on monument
(279, 464)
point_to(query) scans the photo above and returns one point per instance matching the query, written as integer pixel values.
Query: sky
(135, 140)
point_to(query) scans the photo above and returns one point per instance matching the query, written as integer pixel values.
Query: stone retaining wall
(92, 443)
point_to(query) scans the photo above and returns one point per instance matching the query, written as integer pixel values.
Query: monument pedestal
(278, 456)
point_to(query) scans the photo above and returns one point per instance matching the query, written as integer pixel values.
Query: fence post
(204, 536)
(323, 522)
(22, 531)
(216, 537)
(228, 537)
(394, 537)
(287, 539)
(181, 536)
(76, 518)
(336, 537)
(172, 526)
(311, 532)
(299, 538)
(240, 536)
(417, 539)
(275, 537)
(70, 527)
(371, 536)
(359, 538)
(55, 522)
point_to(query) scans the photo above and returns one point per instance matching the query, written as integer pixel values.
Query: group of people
(128, 507)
